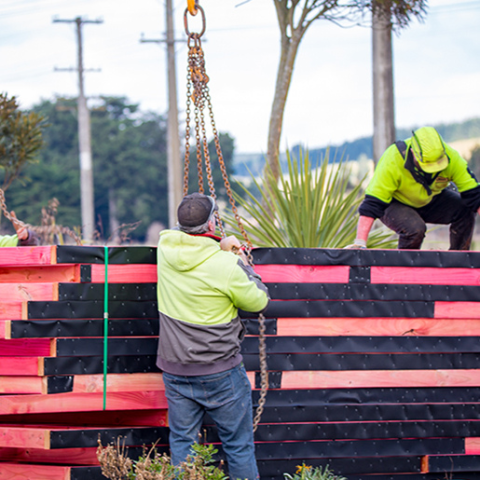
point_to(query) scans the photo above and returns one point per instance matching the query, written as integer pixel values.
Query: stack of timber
(53, 408)
(373, 361)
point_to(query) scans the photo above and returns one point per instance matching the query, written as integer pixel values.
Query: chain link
(198, 93)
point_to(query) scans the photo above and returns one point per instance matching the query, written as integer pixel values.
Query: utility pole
(175, 190)
(84, 138)
(383, 96)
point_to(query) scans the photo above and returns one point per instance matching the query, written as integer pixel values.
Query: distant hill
(451, 132)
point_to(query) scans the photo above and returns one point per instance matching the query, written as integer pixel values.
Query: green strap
(105, 331)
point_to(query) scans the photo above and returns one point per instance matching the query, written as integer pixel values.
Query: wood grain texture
(380, 379)
(20, 471)
(21, 366)
(66, 456)
(26, 347)
(116, 382)
(25, 292)
(425, 275)
(21, 385)
(472, 446)
(457, 310)
(45, 255)
(26, 437)
(40, 274)
(80, 402)
(138, 273)
(378, 327)
(303, 273)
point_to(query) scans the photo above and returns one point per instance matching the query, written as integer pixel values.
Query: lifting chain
(198, 94)
(43, 230)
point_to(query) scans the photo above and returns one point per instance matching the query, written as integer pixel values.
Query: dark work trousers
(446, 208)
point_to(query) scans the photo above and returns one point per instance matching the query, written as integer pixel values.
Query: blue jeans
(227, 397)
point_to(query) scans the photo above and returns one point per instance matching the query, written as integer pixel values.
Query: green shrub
(306, 207)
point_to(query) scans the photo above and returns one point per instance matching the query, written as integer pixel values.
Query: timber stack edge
(373, 359)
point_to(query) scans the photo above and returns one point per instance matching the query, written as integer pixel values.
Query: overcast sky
(436, 65)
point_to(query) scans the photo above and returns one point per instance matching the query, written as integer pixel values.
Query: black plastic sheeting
(364, 431)
(363, 396)
(371, 257)
(358, 448)
(406, 344)
(356, 361)
(89, 437)
(427, 412)
(377, 291)
(60, 384)
(141, 327)
(96, 254)
(452, 463)
(83, 328)
(341, 309)
(88, 473)
(91, 309)
(94, 365)
(139, 292)
(77, 347)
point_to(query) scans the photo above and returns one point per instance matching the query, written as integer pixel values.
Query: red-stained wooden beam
(21, 366)
(64, 273)
(46, 255)
(435, 327)
(26, 347)
(378, 378)
(138, 273)
(472, 446)
(102, 418)
(22, 471)
(10, 385)
(457, 310)
(28, 291)
(117, 382)
(80, 402)
(425, 275)
(16, 310)
(66, 456)
(303, 273)
(136, 382)
(25, 437)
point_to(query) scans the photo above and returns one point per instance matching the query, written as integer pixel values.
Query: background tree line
(129, 164)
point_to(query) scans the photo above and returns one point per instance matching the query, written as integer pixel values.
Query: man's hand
(230, 244)
(21, 230)
(357, 244)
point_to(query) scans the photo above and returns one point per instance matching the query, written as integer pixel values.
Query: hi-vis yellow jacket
(391, 180)
(200, 289)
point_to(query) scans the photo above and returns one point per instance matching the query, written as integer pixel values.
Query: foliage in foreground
(152, 465)
(306, 472)
(116, 465)
(309, 208)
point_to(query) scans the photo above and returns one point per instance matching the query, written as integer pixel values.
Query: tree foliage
(294, 18)
(129, 155)
(129, 162)
(399, 12)
(20, 138)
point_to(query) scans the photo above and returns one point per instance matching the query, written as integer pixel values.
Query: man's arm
(363, 229)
